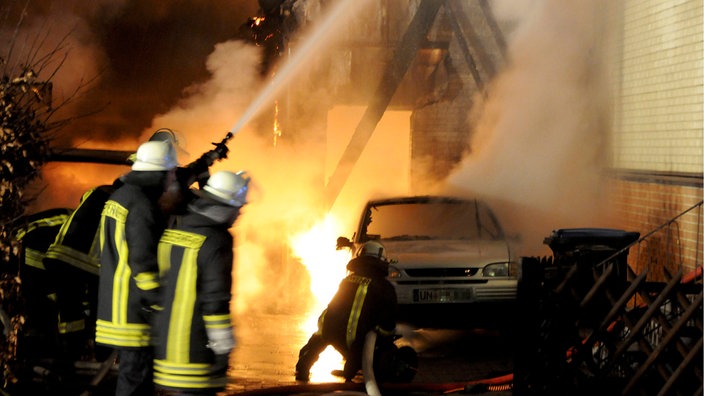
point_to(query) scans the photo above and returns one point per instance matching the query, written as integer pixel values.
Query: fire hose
(368, 364)
(103, 369)
(501, 383)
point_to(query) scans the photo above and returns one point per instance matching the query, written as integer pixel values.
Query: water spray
(342, 10)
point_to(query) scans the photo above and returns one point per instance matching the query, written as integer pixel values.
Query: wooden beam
(412, 40)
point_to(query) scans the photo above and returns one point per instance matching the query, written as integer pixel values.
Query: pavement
(450, 361)
(263, 361)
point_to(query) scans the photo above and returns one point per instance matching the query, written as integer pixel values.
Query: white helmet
(155, 156)
(371, 248)
(164, 135)
(228, 187)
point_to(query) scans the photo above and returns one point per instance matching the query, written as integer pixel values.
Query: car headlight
(394, 272)
(500, 270)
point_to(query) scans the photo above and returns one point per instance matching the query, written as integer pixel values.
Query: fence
(597, 326)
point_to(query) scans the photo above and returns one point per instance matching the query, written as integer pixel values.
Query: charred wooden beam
(114, 157)
(412, 40)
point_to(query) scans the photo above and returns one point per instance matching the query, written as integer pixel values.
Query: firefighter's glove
(220, 340)
(220, 151)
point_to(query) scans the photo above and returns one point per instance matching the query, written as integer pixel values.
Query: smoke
(537, 151)
(288, 171)
(539, 147)
(153, 64)
(132, 59)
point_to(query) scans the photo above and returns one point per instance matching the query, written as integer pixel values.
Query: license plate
(442, 295)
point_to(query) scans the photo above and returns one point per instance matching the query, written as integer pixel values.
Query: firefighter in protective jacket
(128, 291)
(194, 331)
(74, 257)
(73, 260)
(365, 301)
(36, 232)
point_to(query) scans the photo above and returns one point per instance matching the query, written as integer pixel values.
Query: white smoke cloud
(287, 178)
(539, 146)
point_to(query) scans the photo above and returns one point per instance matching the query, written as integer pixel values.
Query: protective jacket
(194, 324)
(35, 233)
(365, 300)
(128, 291)
(77, 242)
(73, 260)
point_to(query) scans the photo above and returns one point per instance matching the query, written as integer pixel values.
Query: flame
(277, 125)
(326, 266)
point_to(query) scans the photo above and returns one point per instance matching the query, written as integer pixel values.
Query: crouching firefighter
(193, 332)
(365, 301)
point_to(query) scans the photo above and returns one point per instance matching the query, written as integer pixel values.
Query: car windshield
(426, 220)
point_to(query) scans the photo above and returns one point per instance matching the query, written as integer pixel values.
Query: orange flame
(326, 267)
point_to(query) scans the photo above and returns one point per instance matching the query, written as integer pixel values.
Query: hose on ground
(368, 364)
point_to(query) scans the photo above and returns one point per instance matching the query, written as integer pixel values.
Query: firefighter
(178, 195)
(193, 331)
(128, 291)
(73, 258)
(365, 301)
(35, 232)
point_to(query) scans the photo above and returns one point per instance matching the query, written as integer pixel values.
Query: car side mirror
(343, 242)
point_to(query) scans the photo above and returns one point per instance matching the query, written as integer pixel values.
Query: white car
(451, 261)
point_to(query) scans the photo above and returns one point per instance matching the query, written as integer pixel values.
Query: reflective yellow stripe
(217, 321)
(186, 285)
(71, 327)
(183, 238)
(34, 258)
(125, 334)
(122, 275)
(357, 304)
(183, 304)
(75, 258)
(46, 222)
(189, 382)
(121, 282)
(101, 227)
(164, 258)
(187, 368)
(186, 375)
(64, 229)
(147, 280)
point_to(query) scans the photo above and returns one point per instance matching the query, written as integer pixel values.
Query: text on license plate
(442, 295)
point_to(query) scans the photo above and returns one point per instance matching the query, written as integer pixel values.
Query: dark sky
(139, 55)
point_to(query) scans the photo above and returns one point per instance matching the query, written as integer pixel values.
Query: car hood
(446, 253)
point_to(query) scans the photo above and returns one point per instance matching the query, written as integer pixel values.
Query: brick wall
(655, 209)
(660, 117)
(658, 132)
